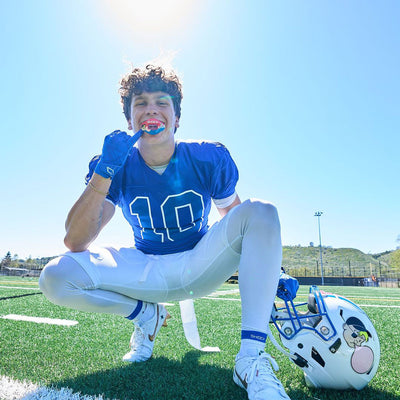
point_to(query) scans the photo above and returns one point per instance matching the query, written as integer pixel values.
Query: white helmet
(334, 342)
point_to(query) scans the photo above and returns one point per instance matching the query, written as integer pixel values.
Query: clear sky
(305, 94)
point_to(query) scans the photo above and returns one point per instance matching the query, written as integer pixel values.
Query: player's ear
(176, 122)
(129, 124)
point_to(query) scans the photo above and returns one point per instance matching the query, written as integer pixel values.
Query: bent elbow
(75, 246)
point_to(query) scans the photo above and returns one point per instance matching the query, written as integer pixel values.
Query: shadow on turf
(365, 394)
(161, 378)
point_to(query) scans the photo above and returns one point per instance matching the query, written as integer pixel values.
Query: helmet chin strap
(277, 345)
(298, 360)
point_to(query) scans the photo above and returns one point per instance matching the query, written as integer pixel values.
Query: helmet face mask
(331, 339)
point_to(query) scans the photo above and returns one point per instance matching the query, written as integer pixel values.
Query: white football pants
(109, 280)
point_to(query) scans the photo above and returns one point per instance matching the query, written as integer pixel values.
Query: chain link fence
(349, 275)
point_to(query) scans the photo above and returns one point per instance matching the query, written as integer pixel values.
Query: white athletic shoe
(255, 375)
(142, 340)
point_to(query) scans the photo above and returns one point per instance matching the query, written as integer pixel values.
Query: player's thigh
(210, 263)
(62, 277)
(126, 271)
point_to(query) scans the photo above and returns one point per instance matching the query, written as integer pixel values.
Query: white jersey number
(181, 213)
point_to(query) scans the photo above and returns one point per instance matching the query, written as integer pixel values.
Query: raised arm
(89, 214)
(92, 212)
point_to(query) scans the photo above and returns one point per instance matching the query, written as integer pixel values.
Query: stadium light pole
(318, 214)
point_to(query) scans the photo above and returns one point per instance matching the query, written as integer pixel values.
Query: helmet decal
(362, 360)
(354, 332)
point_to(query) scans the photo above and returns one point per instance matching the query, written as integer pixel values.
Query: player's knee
(261, 213)
(52, 280)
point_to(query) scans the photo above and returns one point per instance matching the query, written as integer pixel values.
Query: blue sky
(305, 94)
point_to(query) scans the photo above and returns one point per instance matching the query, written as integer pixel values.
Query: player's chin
(165, 133)
(148, 138)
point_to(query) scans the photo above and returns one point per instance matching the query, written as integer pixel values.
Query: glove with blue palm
(287, 287)
(116, 148)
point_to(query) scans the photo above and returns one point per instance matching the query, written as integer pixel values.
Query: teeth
(152, 124)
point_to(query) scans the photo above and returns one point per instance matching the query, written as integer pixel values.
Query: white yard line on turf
(223, 292)
(377, 306)
(360, 305)
(40, 320)
(219, 298)
(16, 287)
(11, 389)
(356, 297)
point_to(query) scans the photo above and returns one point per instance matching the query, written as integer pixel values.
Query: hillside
(297, 260)
(336, 262)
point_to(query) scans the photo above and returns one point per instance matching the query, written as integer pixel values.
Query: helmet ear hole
(317, 357)
(312, 304)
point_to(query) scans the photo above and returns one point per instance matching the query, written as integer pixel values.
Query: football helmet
(332, 340)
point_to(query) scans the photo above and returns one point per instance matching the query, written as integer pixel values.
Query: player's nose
(151, 109)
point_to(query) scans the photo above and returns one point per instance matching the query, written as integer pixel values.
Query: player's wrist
(107, 171)
(100, 183)
(93, 187)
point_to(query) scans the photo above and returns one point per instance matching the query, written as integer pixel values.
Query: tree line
(14, 261)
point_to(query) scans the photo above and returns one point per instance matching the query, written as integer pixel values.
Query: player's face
(156, 105)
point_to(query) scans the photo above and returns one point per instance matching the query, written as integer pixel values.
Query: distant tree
(6, 262)
(395, 260)
(43, 261)
(14, 261)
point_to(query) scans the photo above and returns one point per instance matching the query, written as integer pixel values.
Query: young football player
(164, 187)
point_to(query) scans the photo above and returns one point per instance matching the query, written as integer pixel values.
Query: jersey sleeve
(112, 196)
(225, 176)
(223, 203)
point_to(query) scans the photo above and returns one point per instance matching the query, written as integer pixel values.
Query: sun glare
(151, 17)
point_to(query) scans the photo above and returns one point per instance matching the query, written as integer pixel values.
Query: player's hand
(116, 148)
(287, 287)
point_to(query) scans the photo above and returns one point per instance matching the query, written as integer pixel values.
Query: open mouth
(152, 126)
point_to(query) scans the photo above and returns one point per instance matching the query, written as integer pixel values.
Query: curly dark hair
(150, 79)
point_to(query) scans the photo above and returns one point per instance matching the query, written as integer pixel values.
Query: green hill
(305, 261)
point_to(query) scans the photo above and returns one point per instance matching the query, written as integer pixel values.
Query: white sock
(147, 312)
(252, 343)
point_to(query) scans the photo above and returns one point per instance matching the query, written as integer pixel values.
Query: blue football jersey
(169, 213)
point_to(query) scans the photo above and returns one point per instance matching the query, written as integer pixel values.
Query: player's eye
(163, 101)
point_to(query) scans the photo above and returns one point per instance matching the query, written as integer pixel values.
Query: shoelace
(266, 360)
